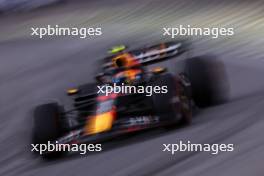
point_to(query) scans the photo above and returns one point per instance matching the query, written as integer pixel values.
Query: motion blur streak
(32, 70)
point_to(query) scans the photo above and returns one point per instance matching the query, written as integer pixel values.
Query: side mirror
(72, 91)
(159, 70)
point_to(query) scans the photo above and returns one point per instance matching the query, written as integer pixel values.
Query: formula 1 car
(99, 114)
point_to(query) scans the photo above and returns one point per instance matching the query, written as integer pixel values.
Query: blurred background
(35, 70)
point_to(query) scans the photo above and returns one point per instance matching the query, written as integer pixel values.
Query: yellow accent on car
(72, 91)
(158, 70)
(117, 49)
(99, 123)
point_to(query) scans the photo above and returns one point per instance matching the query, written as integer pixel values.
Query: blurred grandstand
(7, 6)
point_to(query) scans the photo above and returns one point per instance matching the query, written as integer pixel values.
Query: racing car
(102, 115)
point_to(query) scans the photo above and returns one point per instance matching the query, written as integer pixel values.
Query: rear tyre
(185, 95)
(165, 105)
(208, 79)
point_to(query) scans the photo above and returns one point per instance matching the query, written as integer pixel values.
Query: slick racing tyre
(184, 92)
(208, 79)
(166, 105)
(46, 124)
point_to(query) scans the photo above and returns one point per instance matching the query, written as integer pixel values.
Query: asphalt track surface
(33, 71)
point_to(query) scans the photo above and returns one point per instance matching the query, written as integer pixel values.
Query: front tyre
(47, 124)
(168, 105)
